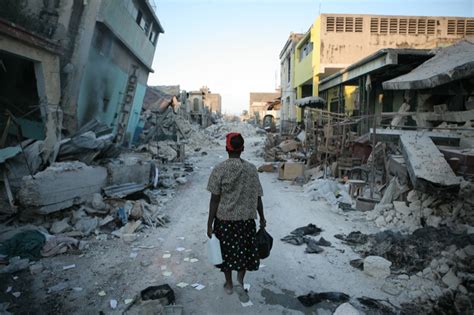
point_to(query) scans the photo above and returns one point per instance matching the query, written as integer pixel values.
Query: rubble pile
(422, 209)
(218, 131)
(440, 256)
(169, 136)
(281, 149)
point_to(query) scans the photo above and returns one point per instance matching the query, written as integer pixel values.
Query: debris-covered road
(112, 269)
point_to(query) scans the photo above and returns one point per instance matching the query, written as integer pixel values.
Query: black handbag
(264, 243)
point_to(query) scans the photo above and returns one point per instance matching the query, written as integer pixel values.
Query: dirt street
(112, 269)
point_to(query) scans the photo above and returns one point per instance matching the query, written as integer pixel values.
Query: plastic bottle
(214, 253)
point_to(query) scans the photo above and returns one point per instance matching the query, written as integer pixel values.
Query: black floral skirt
(238, 244)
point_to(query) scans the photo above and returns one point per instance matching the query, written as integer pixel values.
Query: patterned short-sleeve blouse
(236, 182)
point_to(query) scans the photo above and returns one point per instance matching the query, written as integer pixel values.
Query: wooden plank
(428, 169)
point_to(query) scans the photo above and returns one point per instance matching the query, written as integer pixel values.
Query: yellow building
(335, 41)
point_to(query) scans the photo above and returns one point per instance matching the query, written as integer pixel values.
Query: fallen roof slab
(452, 63)
(393, 135)
(428, 169)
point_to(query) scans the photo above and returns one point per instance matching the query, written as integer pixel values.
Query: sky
(233, 46)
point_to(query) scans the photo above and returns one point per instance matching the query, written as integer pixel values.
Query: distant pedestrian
(236, 199)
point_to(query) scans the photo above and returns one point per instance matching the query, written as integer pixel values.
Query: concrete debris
(86, 225)
(428, 169)
(62, 226)
(61, 186)
(327, 189)
(98, 202)
(377, 266)
(451, 280)
(346, 309)
(121, 191)
(181, 180)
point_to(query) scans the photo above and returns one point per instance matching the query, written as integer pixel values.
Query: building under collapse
(66, 63)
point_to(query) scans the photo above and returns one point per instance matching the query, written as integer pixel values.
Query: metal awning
(311, 101)
(378, 61)
(452, 63)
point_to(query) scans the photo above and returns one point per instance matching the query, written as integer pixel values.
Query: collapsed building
(73, 81)
(402, 158)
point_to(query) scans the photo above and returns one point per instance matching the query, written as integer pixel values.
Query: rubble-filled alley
(82, 261)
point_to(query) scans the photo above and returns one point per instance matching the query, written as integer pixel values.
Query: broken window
(19, 98)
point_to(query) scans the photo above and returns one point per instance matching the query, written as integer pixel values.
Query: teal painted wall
(119, 20)
(101, 90)
(103, 80)
(134, 120)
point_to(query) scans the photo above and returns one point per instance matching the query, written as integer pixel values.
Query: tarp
(452, 63)
(311, 101)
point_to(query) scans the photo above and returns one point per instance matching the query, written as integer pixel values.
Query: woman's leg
(241, 276)
(228, 279)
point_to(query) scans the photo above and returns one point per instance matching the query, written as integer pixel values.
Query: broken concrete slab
(120, 191)
(60, 186)
(377, 266)
(129, 169)
(346, 309)
(428, 169)
(392, 135)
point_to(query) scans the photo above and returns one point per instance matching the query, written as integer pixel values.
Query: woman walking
(236, 199)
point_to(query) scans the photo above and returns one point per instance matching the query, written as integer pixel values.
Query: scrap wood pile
(283, 148)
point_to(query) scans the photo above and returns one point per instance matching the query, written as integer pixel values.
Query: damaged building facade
(103, 55)
(336, 41)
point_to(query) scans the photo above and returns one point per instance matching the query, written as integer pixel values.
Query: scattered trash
(166, 256)
(133, 255)
(69, 267)
(16, 294)
(198, 286)
(193, 260)
(167, 274)
(180, 249)
(247, 304)
(113, 304)
(182, 285)
(8, 290)
(58, 287)
(102, 293)
(128, 301)
(78, 289)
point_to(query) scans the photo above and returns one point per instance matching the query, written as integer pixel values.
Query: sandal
(242, 293)
(228, 290)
